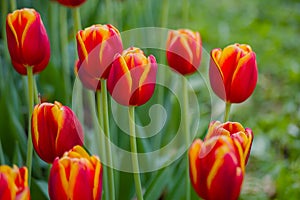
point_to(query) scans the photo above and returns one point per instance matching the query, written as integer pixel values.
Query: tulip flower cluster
(57, 134)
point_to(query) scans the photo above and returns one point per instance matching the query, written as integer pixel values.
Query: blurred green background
(271, 28)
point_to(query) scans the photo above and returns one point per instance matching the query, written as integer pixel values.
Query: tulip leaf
(158, 184)
(39, 190)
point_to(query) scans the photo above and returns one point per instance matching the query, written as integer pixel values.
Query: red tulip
(217, 164)
(184, 49)
(55, 130)
(27, 41)
(233, 72)
(76, 176)
(96, 46)
(71, 3)
(132, 78)
(14, 183)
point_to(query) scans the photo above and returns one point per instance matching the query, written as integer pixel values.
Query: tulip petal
(244, 79)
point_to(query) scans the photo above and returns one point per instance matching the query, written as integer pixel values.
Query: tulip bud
(55, 130)
(14, 183)
(184, 49)
(76, 176)
(132, 78)
(217, 164)
(96, 47)
(27, 41)
(71, 3)
(233, 72)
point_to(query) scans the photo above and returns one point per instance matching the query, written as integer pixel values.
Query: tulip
(184, 49)
(132, 78)
(233, 72)
(71, 3)
(217, 164)
(14, 183)
(27, 41)
(96, 47)
(55, 130)
(76, 176)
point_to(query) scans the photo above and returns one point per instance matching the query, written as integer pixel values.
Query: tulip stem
(64, 51)
(186, 130)
(101, 145)
(13, 5)
(134, 158)
(227, 111)
(30, 109)
(77, 20)
(107, 134)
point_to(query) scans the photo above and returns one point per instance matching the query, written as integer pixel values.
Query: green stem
(110, 18)
(227, 111)
(77, 20)
(185, 10)
(107, 134)
(134, 158)
(2, 160)
(164, 13)
(102, 145)
(186, 129)
(36, 93)
(30, 109)
(64, 51)
(13, 5)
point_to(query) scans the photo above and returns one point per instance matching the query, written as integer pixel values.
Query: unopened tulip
(14, 183)
(184, 49)
(233, 72)
(55, 130)
(71, 3)
(76, 176)
(132, 78)
(217, 164)
(96, 46)
(27, 41)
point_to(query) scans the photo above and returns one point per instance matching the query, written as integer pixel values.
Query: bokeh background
(272, 28)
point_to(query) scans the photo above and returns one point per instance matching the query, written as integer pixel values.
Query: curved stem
(30, 109)
(107, 134)
(134, 158)
(227, 111)
(186, 129)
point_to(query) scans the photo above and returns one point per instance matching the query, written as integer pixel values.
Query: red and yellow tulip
(14, 183)
(132, 78)
(96, 46)
(184, 49)
(217, 164)
(76, 176)
(55, 130)
(27, 41)
(233, 72)
(71, 3)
